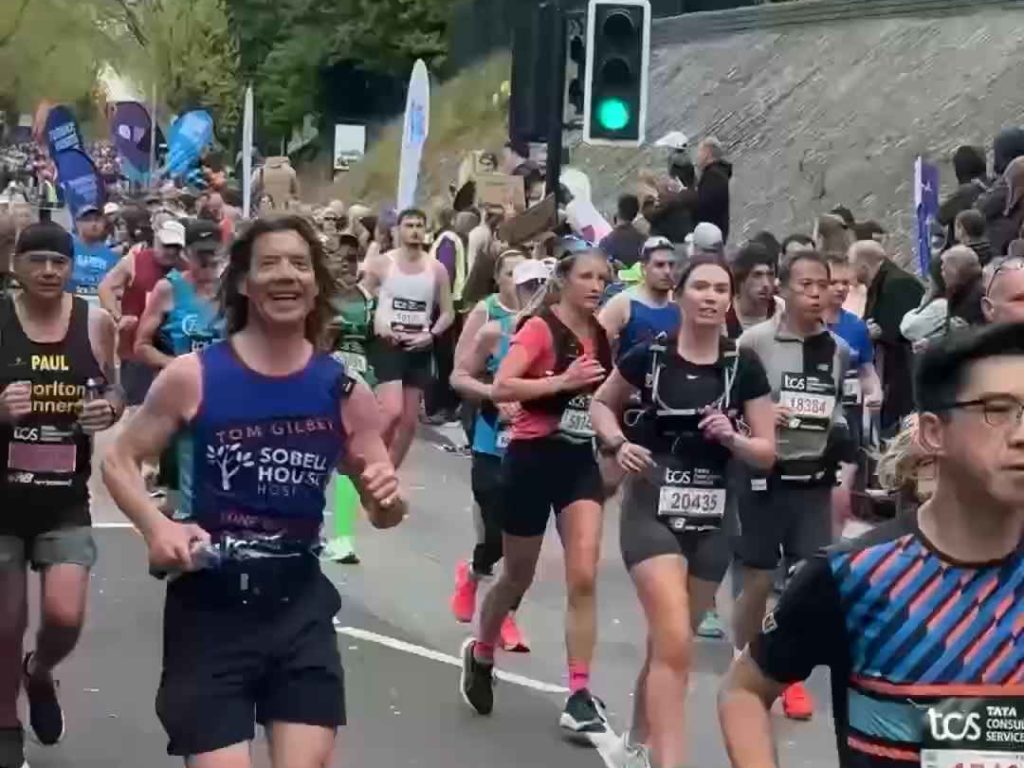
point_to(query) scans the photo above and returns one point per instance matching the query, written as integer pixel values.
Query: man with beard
(408, 284)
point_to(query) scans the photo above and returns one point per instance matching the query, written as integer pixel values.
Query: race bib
(811, 399)
(852, 394)
(576, 418)
(409, 316)
(353, 361)
(41, 449)
(973, 733)
(691, 498)
(503, 438)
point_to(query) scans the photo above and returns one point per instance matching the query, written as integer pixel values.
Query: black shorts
(782, 519)
(136, 379)
(224, 660)
(391, 363)
(546, 474)
(643, 535)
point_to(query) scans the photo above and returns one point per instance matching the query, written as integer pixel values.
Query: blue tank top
(257, 457)
(488, 435)
(645, 323)
(193, 322)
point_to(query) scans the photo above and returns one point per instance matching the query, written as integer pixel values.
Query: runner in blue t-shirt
(93, 257)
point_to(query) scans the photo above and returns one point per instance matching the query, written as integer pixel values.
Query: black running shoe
(45, 714)
(477, 681)
(584, 715)
(12, 748)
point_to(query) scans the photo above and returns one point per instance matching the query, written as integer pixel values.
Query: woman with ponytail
(557, 359)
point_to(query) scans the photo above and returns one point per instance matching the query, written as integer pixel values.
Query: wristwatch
(610, 449)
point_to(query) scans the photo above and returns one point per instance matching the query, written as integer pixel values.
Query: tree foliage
(286, 44)
(187, 48)
(51, 49)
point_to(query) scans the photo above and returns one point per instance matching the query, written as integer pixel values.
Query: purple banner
(131, 132)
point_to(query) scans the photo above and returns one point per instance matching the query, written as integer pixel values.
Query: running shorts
(643, 535)
(488, 493)
(62, 546)
(391, 363)
(136, 379)
(782, 519)
(545, 474)
(229, 652)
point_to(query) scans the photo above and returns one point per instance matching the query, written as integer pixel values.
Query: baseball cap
(203, 235)
(111, 209)
(706, 237)
(87, 210)
(171, 233)
(530, 269)
(674, 140)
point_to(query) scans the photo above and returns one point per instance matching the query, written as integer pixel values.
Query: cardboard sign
(540, 218)
(500, 190)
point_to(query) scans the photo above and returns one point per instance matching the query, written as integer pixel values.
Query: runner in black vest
(58, 386)
(557, 359)
(702, 404)
(261, 421)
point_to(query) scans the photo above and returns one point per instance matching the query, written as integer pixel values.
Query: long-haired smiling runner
(262, 419)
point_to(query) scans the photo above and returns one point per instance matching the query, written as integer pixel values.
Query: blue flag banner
(189, 135)
(62, 132)
(926, 202)
(79, 179)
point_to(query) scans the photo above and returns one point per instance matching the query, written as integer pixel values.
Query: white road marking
(444, 658)
(124, 524)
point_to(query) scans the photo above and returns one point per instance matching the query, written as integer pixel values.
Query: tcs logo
(678, 477)
(954, 726)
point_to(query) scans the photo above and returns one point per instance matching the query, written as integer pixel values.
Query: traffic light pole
(556, 17)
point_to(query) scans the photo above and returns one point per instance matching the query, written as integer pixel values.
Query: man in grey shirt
(787, 511)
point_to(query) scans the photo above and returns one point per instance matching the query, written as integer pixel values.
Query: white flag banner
(414, 134)
(247, 129)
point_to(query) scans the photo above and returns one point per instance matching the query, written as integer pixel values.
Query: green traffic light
(613, 114)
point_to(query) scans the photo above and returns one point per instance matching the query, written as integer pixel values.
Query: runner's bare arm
(475, 320)
(171, 402)
(744, 704)
(609, 400)
(366, 460)
(473, 362)
(444, 300)
(103, 340)
(113, 285)
(871, 386)
(758, 448)
(158, 304)
(613, 317)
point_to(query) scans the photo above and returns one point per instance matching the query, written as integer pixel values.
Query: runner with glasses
(1003, 280)
(556, 361)
(703, 403)
(58, 387)
(918, 621)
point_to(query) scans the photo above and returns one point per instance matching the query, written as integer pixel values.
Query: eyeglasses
(1001, 411)
(1006, 264)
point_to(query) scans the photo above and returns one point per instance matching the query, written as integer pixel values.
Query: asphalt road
(399, 643)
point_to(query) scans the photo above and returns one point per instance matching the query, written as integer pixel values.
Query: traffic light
(618, 52)
(536, 52)
(575, 67)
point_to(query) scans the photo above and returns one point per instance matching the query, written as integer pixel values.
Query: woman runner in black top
(703, 402)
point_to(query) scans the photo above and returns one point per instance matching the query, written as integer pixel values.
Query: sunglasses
(1007, 264)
